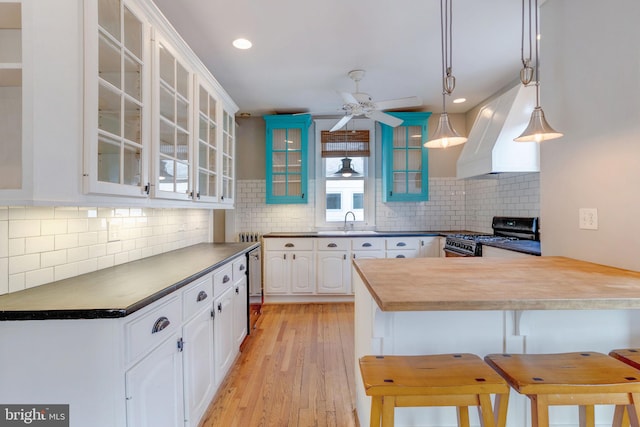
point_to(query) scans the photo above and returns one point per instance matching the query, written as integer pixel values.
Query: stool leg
(500, 409)
(587, 416)
(634, 410)
(463, 416)
(388, 408)
(376, 411)
(539, 411)
(620, 417)
(485, 411)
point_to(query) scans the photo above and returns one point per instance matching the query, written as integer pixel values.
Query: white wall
(591, 92)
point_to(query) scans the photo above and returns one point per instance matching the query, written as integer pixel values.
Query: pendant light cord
(446, 34)
(533, 50)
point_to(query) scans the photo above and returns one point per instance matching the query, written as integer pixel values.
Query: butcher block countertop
(474, 283)
(121, 290)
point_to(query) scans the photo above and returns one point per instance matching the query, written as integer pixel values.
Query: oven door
(451, 253)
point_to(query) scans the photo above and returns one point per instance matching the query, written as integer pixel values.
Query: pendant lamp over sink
(538, 129)
(445, 136)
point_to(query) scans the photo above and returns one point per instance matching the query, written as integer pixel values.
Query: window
(334, 201)
(358, 201)
(336, 195)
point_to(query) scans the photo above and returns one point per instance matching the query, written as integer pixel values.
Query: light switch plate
(588, 218)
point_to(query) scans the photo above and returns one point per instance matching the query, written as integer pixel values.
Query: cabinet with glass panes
(11, 95)
(405, 174)
(286, 158)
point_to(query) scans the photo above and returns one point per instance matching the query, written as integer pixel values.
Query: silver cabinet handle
(332, 245)
(237, 290)
(401, 244)
(400, 256)
(242, 267)
(219, 307)
(366, 245)
(160, 324)
(289, 245)
(225, 279)
(202, 295)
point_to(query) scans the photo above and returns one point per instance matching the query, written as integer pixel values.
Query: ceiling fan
(361, 104)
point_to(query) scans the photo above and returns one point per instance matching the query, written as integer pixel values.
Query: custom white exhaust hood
(490, 147)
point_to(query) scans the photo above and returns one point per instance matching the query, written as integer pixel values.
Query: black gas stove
(504, 229)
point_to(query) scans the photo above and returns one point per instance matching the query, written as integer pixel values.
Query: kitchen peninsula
(481, 305)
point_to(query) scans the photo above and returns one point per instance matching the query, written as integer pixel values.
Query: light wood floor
(297, 369)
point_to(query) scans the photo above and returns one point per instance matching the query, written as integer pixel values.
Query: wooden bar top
(476, 283)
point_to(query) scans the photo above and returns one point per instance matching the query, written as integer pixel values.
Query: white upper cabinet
(100, 103)
(117, 99)
(172, 123)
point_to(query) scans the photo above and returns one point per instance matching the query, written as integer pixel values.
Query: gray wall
(591, 92)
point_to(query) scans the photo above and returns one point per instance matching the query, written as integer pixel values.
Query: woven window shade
(345, 143)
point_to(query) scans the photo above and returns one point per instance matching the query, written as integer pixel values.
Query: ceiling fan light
(444, 136)
(538, 129)
(346, 170)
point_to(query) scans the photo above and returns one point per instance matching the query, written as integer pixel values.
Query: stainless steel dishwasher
(255, 286)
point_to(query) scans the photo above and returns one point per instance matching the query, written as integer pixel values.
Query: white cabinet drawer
(222, 279)
(239, 268)
(402, 243)
(284, 244)
(367, 244)
(149, 330)
(334, 244)
(197, 295)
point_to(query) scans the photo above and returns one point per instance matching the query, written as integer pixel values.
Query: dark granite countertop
(525, 246)
(121, 290)
(359, 233)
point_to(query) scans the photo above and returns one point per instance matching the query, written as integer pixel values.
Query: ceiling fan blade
(391, 104)
(348, 98)
(385, 118)
(343, 121)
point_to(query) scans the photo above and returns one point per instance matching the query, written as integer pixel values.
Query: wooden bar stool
(630, 356)
(459, 380)
(584, 379)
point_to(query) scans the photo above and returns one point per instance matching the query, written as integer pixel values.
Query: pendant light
(445, 136)
(346, 170)
(538, 129)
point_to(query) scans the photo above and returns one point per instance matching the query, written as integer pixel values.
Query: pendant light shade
(346, 170)
(538, 129)
(445, 135)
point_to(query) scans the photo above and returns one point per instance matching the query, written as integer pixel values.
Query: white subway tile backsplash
(42, 244)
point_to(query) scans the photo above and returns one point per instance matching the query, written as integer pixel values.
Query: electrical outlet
(113, 231)
(588, 218)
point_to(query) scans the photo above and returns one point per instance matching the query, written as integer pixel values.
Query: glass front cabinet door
(405, 174)
(286, 155)
(117, 98)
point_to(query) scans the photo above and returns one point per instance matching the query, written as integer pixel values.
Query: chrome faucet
(345, 219)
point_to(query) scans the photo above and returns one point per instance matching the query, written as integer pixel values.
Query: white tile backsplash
(453, 204)
(42, 244)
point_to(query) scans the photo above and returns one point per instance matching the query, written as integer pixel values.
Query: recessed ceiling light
(242, 43)
(459, 100)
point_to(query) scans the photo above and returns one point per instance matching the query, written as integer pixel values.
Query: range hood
(490, 147)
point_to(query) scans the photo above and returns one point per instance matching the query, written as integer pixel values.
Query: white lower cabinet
(334, 268)
(289, 266)
(223, 334)
(154, 388)
(403, 247)
(430, 247)
(240, 320)
(198, 363)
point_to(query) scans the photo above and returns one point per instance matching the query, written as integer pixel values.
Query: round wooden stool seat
(585, 379)
(459, 380)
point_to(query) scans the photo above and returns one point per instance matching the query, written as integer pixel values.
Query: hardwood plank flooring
(296, 370)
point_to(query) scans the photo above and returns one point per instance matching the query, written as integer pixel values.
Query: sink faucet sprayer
(345, 219)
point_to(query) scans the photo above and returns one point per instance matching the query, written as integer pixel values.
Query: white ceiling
(302, 50)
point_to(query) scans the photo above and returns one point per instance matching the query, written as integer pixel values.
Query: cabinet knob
(225, 279)
(237, 290)
(401, 244)
(400, 256)
(219, 307)
(332, 245)
(160, 324)
(366, 245)
(242, 267)
(289, 245)
(202, 295)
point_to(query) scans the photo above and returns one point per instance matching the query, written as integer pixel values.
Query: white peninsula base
(483, 332)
